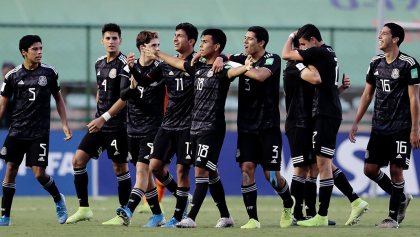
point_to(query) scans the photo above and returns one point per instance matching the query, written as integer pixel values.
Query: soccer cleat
(171, 224)
(82, 214)
(156, 220)
(186, 207)
(358, 208)
(225, 222)
(252, 224)
(5, 221)
(315, 221)
(330, 222)
(403, 207)
(114, 221)
(186, 223)
(287, 215)
(125, 214)
(388, 223)
(61, 210)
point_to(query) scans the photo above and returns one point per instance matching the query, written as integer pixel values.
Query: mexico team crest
(113, 73)
(42, 81)
(395, 73)
(209, 73)
(3, 151)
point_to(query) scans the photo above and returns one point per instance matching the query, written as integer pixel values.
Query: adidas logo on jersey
(41, 159)
(188, 157)
(376, 73)
(274, 161)
(399, 156)
(99, 73)
(21, 82)
(171, 73)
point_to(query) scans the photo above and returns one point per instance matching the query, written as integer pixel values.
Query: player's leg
(218, 194)
(297, 190)
(158, 219)
(12, 153)
(311, 191)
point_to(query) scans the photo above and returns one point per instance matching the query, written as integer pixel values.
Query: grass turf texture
(35, 216)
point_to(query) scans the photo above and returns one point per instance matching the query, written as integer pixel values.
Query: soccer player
(259, 136)
(108, 130)
(395, 123)
(326, 118)
(173, 137)
(145, 108)
(32, 84)
(208, 121)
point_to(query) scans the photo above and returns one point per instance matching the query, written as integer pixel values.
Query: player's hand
(346, 81)
(415, 139)
(134, 83)
(67, 132)
(218, 65)
(197, 56)
(130, 60)
(248, 63)
(352, 134)
(96, 124)
(150, 52)
(295, 33)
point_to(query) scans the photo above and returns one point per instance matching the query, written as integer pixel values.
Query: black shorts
(262, 148)
(115, 144)
(168, 142)
(36, 151)
(206, 147)
(393, 149)
(324, 135)
(300, 142)
(139, 149)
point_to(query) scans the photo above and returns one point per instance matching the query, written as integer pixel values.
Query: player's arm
(413, 93)
(346, 82)
(96, 124)
(288, 52)
(173, 61)
(311, 75)
(61, 109)
(140, 78)
(3, 105)
(364, 103)
(128, 87)
(234, 72)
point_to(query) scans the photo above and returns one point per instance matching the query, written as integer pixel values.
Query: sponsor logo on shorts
(3, 151)
(99, 151)
(367, 154)
(399, 156)
(188, 157)
(42, 81)
(116, 153)
(129, 156)
(146, 157)
(41, 159)
(274, 161)
(238, 153)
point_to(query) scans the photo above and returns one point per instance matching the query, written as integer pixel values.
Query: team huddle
(135, 123)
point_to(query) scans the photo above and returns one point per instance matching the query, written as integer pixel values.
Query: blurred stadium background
(71, 33)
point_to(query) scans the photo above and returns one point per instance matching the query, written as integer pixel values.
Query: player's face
(306, 44)
(34, 54)
(181, 40)
(251, 43)
(154, 43)
(385, 38)
(111, 41)
(207, 48)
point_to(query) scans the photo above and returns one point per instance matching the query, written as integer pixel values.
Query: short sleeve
(413, 77)
(370, 78)
(311, 55)
(224, 75)
(238, 58)
(7, 87)
(55, 85)
(271, 63)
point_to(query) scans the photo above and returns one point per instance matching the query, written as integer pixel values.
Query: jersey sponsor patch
(395, 73)
(414, 73)
(42, 81)
(300, 66)
(113, 73)
(269, 61)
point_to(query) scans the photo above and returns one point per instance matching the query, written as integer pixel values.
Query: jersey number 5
(32, 90)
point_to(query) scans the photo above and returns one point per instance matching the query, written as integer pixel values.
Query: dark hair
(307, 31)
(218, 37)
(8, 65)
(190, 30)
(260, 33)
(296, 43)
(111, 27)
(396, 31)
(145, 36)
(27, 41)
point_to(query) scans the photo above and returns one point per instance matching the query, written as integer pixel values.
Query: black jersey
(145, 105)
(180, 86)
(392, 103)
(32, 90)
(326, 98)
(258, 102)
(108, 78)
(299, 95)
(210, 92)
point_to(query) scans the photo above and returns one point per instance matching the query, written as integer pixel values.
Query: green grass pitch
(35, 216)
